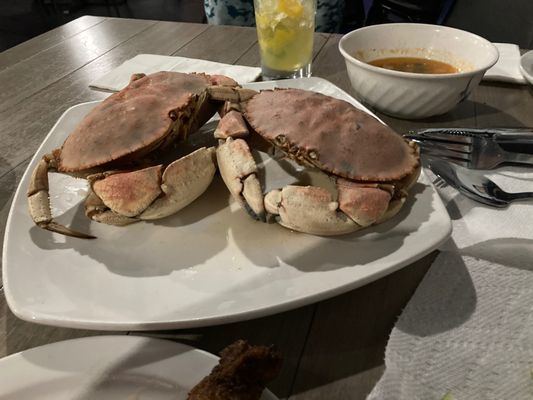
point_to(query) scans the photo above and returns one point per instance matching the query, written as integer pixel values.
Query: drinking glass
(285, 32)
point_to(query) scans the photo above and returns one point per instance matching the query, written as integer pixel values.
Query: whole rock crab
(371, 167)
(124, 134)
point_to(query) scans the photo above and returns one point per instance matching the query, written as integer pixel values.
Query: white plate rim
(81, 323)
(131, 341)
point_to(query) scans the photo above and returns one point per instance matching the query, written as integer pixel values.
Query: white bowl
(411, 95)
(526, 66)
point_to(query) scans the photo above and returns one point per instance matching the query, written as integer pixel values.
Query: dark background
(508, 21)
(21, 20)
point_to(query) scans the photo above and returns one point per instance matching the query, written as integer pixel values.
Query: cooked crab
(371, 167)
(118, 136)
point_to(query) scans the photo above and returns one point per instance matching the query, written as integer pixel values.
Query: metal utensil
(499, 135)
(475, 185)
(476, 148)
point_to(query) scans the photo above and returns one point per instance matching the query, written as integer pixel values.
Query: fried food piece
(241, 374)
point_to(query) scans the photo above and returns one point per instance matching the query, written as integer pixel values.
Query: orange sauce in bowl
(414, 64)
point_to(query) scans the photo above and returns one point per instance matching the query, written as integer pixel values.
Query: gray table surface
(333, 349)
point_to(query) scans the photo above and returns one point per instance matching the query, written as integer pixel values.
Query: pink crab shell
(331, 134)
(132, 121)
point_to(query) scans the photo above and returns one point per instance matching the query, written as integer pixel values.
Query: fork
(475, 151)
(475, 185)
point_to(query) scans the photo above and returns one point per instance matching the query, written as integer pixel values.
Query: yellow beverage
(285, 32)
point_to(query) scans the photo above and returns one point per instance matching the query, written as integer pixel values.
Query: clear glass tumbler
(285, 32)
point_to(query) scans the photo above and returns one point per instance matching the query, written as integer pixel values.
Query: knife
(511, 139)
(500, 135)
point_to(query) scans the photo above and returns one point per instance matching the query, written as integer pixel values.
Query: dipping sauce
(416, 65)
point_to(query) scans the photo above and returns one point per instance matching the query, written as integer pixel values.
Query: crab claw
(183, 181)
(363, 203)
(239, 172)
(313, 209)
(124, 194)
(39, 200)
(309, 209)
(120, 198)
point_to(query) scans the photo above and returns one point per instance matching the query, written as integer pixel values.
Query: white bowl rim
(524, 60)
(347, 56)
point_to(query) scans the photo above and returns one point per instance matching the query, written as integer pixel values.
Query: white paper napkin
(119, 77)
(507, 69)
(468, 329)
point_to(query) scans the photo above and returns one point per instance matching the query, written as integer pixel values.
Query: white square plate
(207, 265)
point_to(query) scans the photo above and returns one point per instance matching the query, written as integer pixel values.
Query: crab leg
(232, 94)
(39, 199)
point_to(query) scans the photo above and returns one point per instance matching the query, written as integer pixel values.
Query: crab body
(124, 131)
(371, 166)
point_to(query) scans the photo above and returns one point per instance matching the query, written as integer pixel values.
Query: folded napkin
(119, 77)
(468, 329)
(507, 69)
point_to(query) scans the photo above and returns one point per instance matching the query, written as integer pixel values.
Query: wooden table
(333, 349)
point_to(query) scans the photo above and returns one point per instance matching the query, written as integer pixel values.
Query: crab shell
(151, 112)
(372, 166)
(330, 134)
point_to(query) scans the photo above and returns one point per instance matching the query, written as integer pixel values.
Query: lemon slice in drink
(292, 8)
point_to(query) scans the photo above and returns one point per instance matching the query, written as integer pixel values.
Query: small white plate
(526, 66)
(208, 264)
(106, 367)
